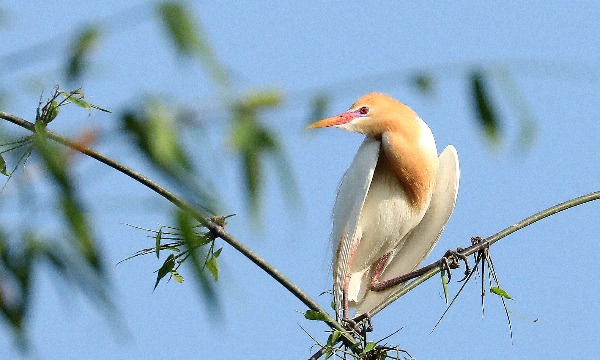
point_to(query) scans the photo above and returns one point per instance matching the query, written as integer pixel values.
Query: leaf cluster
(79, 259)
(184, 242)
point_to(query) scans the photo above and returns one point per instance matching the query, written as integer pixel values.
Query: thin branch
(216, 229)
(436, 267)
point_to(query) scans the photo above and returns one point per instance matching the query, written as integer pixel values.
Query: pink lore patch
(344, 118)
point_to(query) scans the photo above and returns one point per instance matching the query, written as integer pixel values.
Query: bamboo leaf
(263, 99)
(178, 278)
(100, 108)
(84, 43)
(498, 291)
(314, 315)
(331, 341)
(252, 140)
(52, 112)
(166, 268)
(180, 26)
(334, 338)
(483, 104)
(75, 100)
(158, 238)
(520, 107)
(213, 267)
(370, 346)
(445, 285)
(3, 166)
(184, 223)
(186, 33)
(80, 227)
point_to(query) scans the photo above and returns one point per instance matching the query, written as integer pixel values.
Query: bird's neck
(413, 158)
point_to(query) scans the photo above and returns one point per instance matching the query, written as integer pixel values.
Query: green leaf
(213, 267)
(156, 135)
(80, 227)
(180, 26)
(3, 166)
(201, 240)
(178, 278)
(314, 315)
(166, 268)
(263, 99)
(40, 130)
(486, 114)
(500, 292)
(251, 140)
(520, 107)
(53, 110)
(75, 100)
(370, 346)
(334, 338)
(445, 285)
(186, 34)
(99, 108)
(84, 43)
(184, 223)
(158, 238)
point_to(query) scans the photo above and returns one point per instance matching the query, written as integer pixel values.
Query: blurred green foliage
(83, 44)
(484, 108)
(188, 37)
(78, 260)
(251, 140)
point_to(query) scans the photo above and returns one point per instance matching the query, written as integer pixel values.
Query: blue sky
(552, 51)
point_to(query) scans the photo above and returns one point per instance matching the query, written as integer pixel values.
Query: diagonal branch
(216, 229)
(434, 268)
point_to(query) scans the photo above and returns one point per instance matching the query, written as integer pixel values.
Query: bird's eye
(363, 110)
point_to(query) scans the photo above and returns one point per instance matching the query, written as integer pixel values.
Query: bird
(392, 204)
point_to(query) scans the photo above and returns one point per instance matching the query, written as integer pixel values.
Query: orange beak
(334, 120)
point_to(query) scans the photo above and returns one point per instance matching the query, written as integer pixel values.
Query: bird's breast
(386, 218)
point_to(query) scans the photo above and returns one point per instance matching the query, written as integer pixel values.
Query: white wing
(425, 235)
(348, 204)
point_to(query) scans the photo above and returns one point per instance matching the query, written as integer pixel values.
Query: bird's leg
(377, 285)
(451, 260)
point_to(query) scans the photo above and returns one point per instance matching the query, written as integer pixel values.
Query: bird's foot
(365, 320)
(451, 260)
(360, 324)
(348, 324)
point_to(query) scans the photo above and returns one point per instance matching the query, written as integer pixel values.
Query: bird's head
(372, 115)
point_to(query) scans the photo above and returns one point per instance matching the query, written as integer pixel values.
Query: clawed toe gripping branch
(450, 261)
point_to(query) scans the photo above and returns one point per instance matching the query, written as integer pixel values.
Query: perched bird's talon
(349, 324)
(366, 317)
(452, 260)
